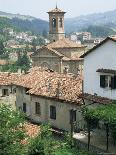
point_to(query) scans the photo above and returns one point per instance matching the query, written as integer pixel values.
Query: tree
(2, 48)
(11, 131)
(44, 143)
(23, 61)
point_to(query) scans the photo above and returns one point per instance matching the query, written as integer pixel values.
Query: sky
(74, 8)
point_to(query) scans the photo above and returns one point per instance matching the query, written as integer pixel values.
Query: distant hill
(106, 19)
(24, 23)
(99, 23)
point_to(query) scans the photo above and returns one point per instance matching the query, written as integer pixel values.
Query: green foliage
(106, 113)
(23, 62)
(99, 31)
(2, 48)
(44, 143)
(11, 131)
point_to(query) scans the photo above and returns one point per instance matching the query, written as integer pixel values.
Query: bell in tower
(56, 24)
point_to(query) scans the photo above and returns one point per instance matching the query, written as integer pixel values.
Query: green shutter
(113, 82)
(102, 81)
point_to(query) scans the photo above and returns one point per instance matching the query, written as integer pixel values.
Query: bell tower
(56, 24)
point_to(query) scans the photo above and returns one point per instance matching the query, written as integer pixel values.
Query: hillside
(106, 19)
(100, 22)
(23, 23)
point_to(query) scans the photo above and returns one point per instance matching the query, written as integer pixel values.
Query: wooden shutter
(24, 107)
(113, 82)
(72, 115)
(102, 81)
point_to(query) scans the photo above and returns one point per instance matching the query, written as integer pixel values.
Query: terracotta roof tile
(96, 99)
(56, 10)
(64, 43)
(8, 78)
(49, 50)
(53, 85)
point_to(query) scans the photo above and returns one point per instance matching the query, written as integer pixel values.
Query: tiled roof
(56, 10)
(8, 78)
(74, 57)
(64, 43)
(96, 99)
(111, 71)
(49, 50)
(52, 85)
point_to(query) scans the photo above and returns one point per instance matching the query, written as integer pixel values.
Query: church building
(61, 54)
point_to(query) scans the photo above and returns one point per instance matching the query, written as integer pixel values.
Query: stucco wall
(102, 57)
(62, 110)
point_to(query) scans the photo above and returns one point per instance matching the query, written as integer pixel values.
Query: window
(4, 92)
(108, 81)
(54, 23)
(72, 115)
(60, 22)
(24, 107)
(37, 108)
(52, 112)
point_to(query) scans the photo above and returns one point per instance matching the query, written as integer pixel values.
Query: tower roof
(56, 10)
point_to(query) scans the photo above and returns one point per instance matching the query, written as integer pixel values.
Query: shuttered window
(24, 107)
(113, 82)
(52, 112)
(72, 115)
(37, 108)
(102, 81)
(108, 81)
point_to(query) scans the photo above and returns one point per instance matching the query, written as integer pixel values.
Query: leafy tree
(44, 143)
(2, 48)
(11, 131)
(23, 61)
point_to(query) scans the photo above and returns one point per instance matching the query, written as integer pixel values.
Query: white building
(100, 69)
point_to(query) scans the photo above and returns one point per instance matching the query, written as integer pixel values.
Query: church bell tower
(56, 24)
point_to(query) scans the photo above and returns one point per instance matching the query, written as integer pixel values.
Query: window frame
(73, 115)
(52, 112)
(24, 108)
(37, 106)
(5, 92)
(109, 81)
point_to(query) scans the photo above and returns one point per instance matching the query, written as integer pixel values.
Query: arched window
(54, 22)
(60, 22)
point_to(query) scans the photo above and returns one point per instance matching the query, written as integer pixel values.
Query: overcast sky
(38, 8)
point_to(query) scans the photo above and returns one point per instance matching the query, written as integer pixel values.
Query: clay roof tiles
(95, 98)
(52, 85)
(8, 78)
(64, 43)
(56, 10)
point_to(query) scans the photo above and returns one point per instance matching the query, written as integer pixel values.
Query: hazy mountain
(107, 19)
(100, 21)
(10, 15)
(25, 23)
